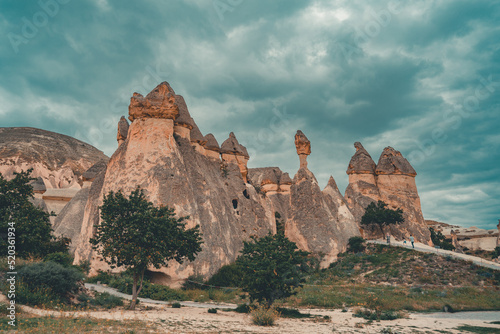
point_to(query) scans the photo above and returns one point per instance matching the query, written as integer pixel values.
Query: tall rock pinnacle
(122, 130)
(303, 146)
(233, 152)
(361, 162)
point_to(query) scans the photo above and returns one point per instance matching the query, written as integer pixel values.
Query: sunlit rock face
(303, 146)
(392, 180)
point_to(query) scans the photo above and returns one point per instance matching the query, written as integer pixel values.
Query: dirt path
(428, 249)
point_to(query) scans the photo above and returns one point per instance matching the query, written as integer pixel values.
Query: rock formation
(303, 146)
(57, 159)
(319, 221)
(164, 152)
(172, 172)
(392, 180)
(122, 130)
(233, 152)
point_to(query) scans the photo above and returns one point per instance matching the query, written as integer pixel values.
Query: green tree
(272, 267)
(27, 225)
(377, 214)
(136, 235)
(438, 239)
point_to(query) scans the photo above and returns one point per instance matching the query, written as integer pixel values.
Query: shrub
(227, 276)
(356, 245)
(176, 305)
(35, 296)
(262, 316)
(102, 276)
(161, 292)
(242, 308)
(194, 282)
(212, 310)
(106, 300)
(51, 275)
(63, 259)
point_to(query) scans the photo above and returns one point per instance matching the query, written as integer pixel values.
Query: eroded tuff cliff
(392, 180)
(319, 222)
(165, 154)
(57, 159)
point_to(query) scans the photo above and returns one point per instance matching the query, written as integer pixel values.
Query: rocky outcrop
(173, 173)
(122, 130)
(303, 146)
(57, 159)
(392, 180)
(183, 123)
(319, 222)
(234, 153)
(212, 149)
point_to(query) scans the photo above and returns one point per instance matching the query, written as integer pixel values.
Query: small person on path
(404, 241)
(388, 238)
(412, 241)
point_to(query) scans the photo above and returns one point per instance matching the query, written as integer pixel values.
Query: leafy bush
(291, 313)
(161, 292)
(176, 305)
(356, 245)
(242, 308)
(102, 276)
(262, 316)
(35, 296)
(106, 300)
(227, 276)
(50, 275)
(212, 310)
(377, 315)
(62, 258)
(191, 283)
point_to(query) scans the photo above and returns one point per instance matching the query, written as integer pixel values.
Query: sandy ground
(198, 320)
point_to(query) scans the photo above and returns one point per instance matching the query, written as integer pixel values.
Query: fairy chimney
(233, 152)
(183, 124)
(303, 146)
(122, 130)
(160, 104)
(212, 149)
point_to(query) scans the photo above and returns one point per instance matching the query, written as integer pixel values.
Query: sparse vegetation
(264, 316)
(438, 239)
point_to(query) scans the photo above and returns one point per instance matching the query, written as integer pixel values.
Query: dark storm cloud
(422, 77)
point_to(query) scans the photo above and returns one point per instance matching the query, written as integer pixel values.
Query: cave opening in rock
(235, 204)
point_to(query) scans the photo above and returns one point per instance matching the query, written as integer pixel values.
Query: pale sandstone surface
(58, 159)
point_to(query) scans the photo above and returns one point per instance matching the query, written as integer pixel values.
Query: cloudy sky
(420, 76)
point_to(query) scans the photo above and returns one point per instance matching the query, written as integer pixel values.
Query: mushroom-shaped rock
(303, 146)
(231, 146)
(184, 123)
(233, 152)
(197, 140)
(212, 148)
(392, 162)
(361, 162)
(122, 130)
(161, 102)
